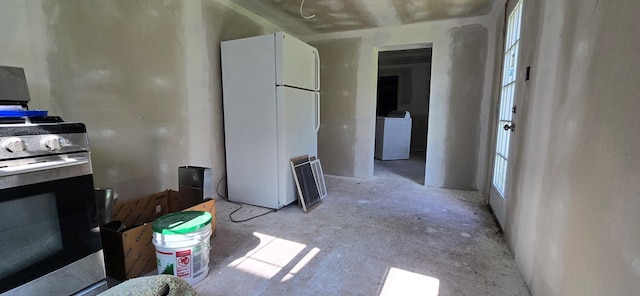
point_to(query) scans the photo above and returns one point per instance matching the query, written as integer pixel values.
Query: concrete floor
(386, 236)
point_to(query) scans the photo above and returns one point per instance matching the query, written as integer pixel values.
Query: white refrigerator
(271, 105)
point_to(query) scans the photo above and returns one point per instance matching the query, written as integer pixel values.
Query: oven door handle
(44, 165)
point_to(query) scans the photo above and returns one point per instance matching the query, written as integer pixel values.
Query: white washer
(393, 136)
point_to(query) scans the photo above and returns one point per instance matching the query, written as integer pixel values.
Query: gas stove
(31, 140)
(47, 209)
(28, 133)
(36, 136)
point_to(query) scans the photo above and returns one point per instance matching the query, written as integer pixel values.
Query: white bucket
(182, 244)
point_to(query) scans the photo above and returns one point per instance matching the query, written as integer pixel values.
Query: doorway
(402, 113)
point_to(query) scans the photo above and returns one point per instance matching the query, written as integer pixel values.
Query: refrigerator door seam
(317, 63)
(317, 97)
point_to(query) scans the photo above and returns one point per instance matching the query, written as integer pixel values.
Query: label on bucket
(183, 260)
(181, 263)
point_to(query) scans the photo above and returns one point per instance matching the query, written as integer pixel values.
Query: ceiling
(346, 15)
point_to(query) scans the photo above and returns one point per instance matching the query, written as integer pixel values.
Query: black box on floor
(194, 185)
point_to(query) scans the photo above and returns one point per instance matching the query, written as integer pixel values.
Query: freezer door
(297, 136)
(297, 63)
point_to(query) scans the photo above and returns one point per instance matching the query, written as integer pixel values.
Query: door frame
(500, 213)
(377, 51)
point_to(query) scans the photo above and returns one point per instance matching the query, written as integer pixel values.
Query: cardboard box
(130, 253)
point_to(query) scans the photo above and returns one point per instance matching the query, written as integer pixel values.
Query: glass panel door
(505, 125)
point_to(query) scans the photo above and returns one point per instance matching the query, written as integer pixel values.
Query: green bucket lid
(181, 222)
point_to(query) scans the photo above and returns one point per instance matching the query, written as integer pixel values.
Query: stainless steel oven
(49, 234)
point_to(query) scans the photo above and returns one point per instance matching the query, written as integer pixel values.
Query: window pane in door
(507, 94)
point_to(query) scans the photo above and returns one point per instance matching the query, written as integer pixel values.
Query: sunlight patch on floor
(274, 256)
(403, 282)
(301, 264)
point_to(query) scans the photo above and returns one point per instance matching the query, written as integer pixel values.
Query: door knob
(511, 127)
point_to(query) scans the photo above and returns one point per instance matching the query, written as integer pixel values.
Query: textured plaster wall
(118, 67)
(443, 167)
(572, 219)
(338, 88)
(144, 76)
(468, 55)
(421, 77)
(22, 43)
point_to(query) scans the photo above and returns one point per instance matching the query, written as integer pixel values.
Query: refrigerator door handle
(317, 97)
(317, 63)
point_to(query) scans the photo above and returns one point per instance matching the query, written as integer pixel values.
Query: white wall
(22, 39)
(144, 76)
(572, 220)
(461, 80)
(421, 77)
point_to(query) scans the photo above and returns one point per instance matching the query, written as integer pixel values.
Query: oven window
(30, 232)
(45, 227)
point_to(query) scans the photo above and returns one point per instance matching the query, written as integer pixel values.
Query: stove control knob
(52, 143)
(14, 145)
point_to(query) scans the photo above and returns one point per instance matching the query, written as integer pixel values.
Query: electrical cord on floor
(230, 217)
(245, 220)
(218, 188)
